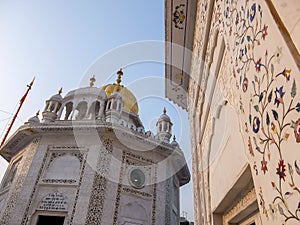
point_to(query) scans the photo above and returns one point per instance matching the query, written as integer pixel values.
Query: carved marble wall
(17, 185)
(258, 77)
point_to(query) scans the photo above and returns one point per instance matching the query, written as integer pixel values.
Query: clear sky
(63, 43)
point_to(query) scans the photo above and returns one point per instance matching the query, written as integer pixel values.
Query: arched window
(58, 107)
(165, 127)
(108, 105)
(115, 105)
(47, 106)
(80, 111)
(66, 167)
(67, 110)
(52, 107)
(94, 110)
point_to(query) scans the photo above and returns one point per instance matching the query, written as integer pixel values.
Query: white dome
(115, 95)
(56, 97)
(92, 92)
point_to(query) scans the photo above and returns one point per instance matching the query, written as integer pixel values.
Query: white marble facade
(239, 82)
(89, 161)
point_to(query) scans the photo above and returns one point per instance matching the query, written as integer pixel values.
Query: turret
(114, 107)
(52, 107)
(164, 127)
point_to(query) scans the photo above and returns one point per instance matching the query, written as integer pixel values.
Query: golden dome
(130, 102)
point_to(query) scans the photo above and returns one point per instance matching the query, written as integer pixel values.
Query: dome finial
(37, 113)
(92, 81)
(174, 138)
(119, 73)
(60, 91)
(164, 111)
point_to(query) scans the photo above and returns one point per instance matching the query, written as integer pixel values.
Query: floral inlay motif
(272, 116)
(179, 16)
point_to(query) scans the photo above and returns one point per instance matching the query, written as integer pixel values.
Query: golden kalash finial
(174, 138)
(165, 111)
(119, 73)
(92, 81)
(60, 91)
(37, 113)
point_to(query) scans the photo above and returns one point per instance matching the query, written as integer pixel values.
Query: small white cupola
(174, 143)
(164, 127)
(34, 119)
(114, 107)
(52, 107)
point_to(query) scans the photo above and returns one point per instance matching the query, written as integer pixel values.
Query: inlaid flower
(256, 124)
(264, 167)
(264, 32)
(281, 170)
(297, 130)
(250, 147)
(245, 84)
(252, 12)
(279, 96)
(287, 74)
(258, 65)
(278, 54)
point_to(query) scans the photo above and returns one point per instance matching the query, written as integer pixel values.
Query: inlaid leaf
(268, 119)
(288, 193)
(298, 107)
(261, 96)
(272, 68)
(256, 108)
(273, 184)
(291, 171)
(250, 119)
(280, 210)
(294, 90)
(263, 78)
(270, 96)
(297, 167)
(254, 140)
(275, 114)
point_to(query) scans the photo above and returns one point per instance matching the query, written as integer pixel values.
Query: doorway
(50, 220)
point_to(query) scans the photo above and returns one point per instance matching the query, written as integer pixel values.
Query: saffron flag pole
(18, 110)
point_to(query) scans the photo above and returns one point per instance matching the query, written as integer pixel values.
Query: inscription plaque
(54, 202)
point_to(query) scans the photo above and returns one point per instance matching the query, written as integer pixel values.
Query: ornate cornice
(243, 204)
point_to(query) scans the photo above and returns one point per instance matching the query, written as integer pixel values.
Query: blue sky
(60, 42)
